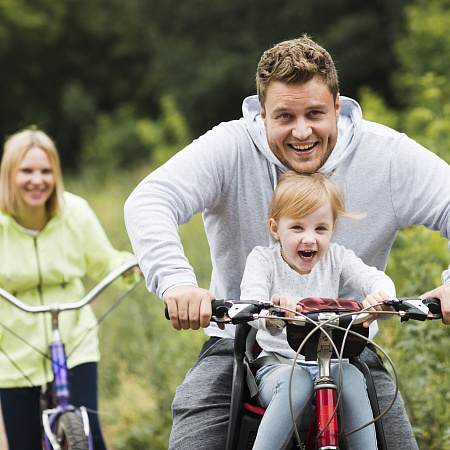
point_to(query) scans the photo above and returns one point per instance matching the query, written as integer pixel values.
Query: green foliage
(122, 140)
(422, 81)
(64, 61)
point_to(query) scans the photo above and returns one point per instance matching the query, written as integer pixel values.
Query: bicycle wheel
(70, 432)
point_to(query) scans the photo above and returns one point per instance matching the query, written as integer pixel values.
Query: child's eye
(321, 229)
(297, 227)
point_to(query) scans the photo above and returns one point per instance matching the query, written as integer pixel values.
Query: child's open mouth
(306, 255)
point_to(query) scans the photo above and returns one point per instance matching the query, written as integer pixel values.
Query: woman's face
(35, 181)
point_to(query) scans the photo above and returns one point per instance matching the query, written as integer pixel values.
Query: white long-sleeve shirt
(266, 274)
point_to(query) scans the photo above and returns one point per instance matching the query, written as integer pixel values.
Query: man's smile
(302, 147)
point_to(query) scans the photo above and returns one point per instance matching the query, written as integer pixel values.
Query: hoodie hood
(350, 118)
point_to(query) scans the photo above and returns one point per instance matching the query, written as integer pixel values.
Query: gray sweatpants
(202, 402)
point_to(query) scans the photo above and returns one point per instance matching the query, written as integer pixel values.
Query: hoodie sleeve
(420, 188)
(363, 278)
(195, 179)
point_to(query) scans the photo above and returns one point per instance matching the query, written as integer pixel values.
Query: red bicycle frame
(324, 427)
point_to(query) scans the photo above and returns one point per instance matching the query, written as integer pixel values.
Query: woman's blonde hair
(15, 149)
(299, 194)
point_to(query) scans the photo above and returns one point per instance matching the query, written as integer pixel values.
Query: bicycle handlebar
(56, 306)
(240, 311)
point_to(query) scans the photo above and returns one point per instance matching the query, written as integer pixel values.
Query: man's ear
(273, 227)
(263, 113)
(337, 106)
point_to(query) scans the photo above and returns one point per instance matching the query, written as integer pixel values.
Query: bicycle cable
(347, 330)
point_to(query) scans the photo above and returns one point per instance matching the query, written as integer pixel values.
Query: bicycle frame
(324, 423)
(61, 388)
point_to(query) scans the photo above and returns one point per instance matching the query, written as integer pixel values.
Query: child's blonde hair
(299, 194)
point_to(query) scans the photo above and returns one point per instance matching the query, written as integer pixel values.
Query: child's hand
(375, 299)
(286, 302)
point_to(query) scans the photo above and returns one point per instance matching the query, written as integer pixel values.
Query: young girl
(303, 263)
(49, 241)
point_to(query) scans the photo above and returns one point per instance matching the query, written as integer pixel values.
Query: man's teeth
(302, 147)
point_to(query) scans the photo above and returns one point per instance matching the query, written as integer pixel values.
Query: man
(298, 122)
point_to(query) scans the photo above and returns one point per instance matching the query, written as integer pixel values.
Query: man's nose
(302, 129)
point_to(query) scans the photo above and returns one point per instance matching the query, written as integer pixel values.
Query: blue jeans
(276, 427)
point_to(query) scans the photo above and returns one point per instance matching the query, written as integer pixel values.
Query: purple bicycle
(64, 425)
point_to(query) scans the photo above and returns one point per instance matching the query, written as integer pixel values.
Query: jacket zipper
(39, 287)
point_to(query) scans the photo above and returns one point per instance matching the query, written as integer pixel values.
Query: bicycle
(322, 432)
(64, 425)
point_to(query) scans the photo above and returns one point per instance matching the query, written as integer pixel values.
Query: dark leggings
(21, 415)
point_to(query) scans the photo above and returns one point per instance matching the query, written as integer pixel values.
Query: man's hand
(189, 307)
(375, 299)
(443, 294)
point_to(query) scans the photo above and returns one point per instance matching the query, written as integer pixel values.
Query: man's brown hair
(296, 61)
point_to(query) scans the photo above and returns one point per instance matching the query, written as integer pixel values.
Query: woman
(49, 240)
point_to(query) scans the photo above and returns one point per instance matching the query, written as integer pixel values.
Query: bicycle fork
(323, 434)
(61, 391)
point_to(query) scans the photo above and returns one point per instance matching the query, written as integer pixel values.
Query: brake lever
(246, 310)
(416, 308)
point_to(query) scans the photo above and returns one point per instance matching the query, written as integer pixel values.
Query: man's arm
(425, 194)
(189, 183)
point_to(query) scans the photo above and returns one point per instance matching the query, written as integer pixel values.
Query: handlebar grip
(216, 307)
(434, 305)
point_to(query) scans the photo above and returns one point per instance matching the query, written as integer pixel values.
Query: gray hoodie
(229, 174)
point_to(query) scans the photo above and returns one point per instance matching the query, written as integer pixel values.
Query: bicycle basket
(354, 345)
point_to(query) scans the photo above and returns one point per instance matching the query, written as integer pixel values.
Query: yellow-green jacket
(48, 268)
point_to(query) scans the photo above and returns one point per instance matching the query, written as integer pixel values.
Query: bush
(122, 140)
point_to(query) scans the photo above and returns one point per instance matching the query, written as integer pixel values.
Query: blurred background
(122, 85)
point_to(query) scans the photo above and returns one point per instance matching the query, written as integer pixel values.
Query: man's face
(301, 123)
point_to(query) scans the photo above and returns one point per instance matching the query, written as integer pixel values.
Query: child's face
(305, 240)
